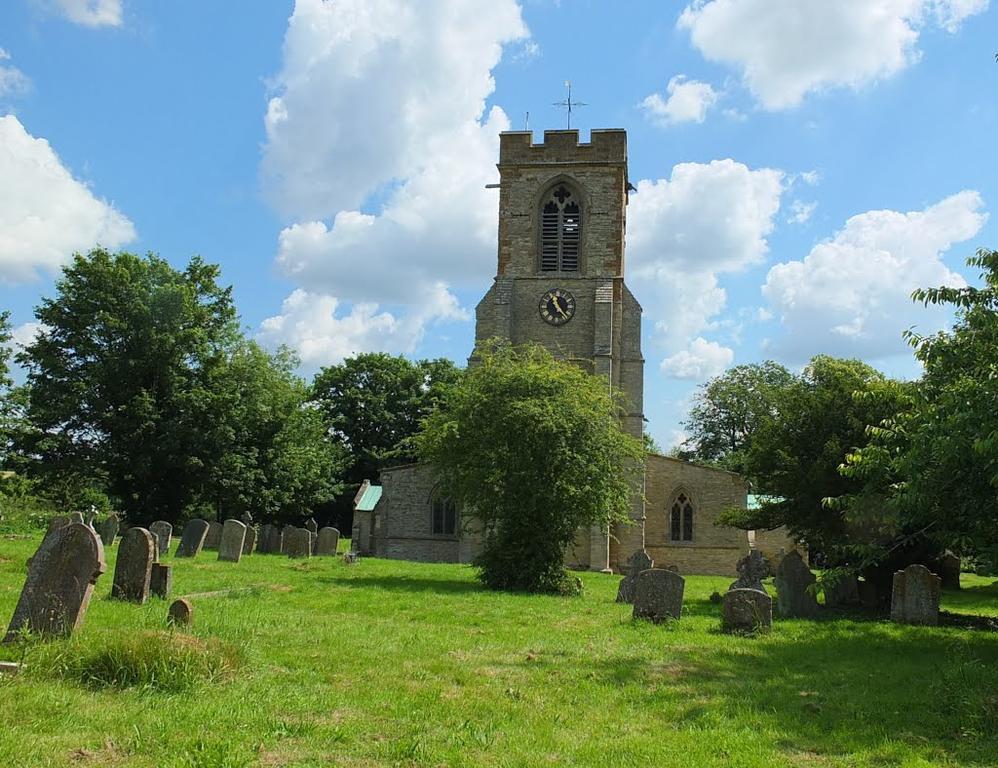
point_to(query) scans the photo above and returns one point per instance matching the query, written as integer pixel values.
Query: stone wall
(714, 549)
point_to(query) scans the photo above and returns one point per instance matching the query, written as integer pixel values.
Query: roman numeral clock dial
(557, 306)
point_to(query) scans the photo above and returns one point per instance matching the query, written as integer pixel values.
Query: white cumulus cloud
(90, 13)
(786, 49)
(851, 295)
(701, 360)
(13, 81)
(378, 150)
(688, 101)
(46, 214)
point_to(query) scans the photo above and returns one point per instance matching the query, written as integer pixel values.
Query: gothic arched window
(681, 519)
(561, 230)
(443, 516)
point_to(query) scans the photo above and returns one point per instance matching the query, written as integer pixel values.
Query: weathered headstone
(181, 612)
(57, 522)
(638, 561)
(658, 595)
(109, 529)
(247, 519)
(163, 532)
(746, 610)
(298, 542)
(794, 593)
(60, 582)
(249, 543)
(328, 541)
(230, 548)
(915, 596)
(192, 539)
(133, 569)
(161, 580)
(843, 591)
(949, 570)
(271, 538)
(752, 569)
(287, 532)
(77, 517)
(214, 537)
(90, 517)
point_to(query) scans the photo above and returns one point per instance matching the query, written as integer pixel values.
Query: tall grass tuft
(161, 661)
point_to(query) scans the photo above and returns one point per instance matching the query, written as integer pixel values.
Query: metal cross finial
(568, 105)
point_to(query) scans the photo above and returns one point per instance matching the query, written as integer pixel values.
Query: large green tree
(531, 448)
(728, 409)
(143, 388)
(931, 473)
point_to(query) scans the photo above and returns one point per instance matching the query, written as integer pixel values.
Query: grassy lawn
(392, 663)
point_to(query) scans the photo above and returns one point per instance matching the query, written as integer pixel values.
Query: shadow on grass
(405, 584)
(845, 689)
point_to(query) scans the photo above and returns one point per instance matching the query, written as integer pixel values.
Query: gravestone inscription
(915, 596)
(658, 595)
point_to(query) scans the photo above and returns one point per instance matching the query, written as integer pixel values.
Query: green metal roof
(370, 499)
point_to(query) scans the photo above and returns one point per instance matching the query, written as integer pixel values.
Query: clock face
(557, 306)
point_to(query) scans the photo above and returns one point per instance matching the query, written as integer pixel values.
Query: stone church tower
(560, 281)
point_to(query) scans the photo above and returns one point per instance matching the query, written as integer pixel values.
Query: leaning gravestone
(133, 569)
(949, 571)
(658, 595)
(746, 610)
(60, 582)
(109, 529)
(192, 540)
(230, 548)
(328, 541)
(752, 569)
(794, 588)
(639, 561)
(249, 543)
(915, 596)
(214, 537)
(181, 612)
(298, 542)
(161, 580)
(163, 532)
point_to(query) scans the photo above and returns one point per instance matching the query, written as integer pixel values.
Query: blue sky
(801, 165)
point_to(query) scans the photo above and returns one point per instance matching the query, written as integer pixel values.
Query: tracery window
(444, 516)
(561, 231)
(681, 519)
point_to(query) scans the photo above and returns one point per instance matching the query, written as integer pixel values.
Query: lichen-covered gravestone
(794, 593)
(230, 548)
(192, 539)
(915, 596)
(163, 532)
(752, 569)
(658, 595)
(214, 537)
(161, 580)
(328, 541)
(746, 610)
(249, 543)
(133, 569)
(638, 561)
(298, 542)
(60, 582)
(109, 529)
(181, 612)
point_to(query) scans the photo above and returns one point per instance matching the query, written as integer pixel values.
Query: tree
(531, 447)
(796, 450)
(144, 389)
(728, 409)
(373, 403)
(932, 470)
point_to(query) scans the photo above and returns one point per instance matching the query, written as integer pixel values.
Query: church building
(560, 283)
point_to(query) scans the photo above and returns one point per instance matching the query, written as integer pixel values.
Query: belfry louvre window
(561, 231)
(681, 519)
(444, 517)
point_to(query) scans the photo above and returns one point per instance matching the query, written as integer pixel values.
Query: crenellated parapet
(563, 147)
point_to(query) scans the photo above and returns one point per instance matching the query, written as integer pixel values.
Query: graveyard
(313, 661)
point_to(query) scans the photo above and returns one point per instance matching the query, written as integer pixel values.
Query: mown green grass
(393, 663)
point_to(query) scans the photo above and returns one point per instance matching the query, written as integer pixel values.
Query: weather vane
(568, 105)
